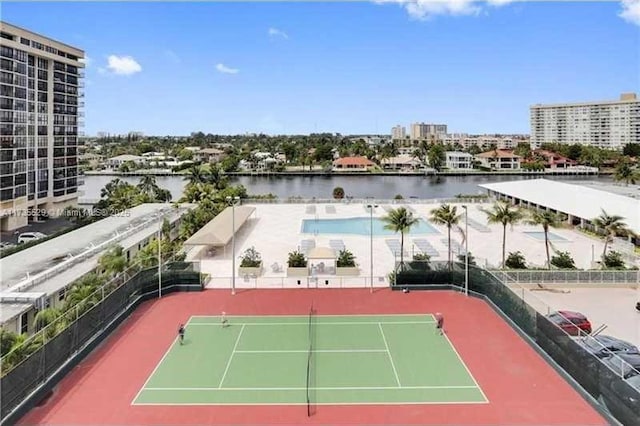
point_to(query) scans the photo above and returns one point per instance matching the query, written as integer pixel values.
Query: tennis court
(353, 359)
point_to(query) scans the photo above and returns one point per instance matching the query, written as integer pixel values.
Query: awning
(218, 232)
(321, 253)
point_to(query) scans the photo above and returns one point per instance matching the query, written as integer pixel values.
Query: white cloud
(631, 11)
(425, 9)
(226, 70)
(123, 65)
(274, 32)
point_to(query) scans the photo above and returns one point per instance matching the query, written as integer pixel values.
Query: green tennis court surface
(354, 359)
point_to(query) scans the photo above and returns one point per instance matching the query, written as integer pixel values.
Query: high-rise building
(603, 124)
(40, 117)
(398, 132)
(428, 131)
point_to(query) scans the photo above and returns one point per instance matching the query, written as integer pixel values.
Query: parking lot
(613, 307)
(49, 226)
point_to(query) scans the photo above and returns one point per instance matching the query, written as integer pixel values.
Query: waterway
(354, 186)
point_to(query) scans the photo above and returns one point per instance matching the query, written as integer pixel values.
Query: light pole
(160, 258)
(233, 201)
(466, 251)
(371, 207)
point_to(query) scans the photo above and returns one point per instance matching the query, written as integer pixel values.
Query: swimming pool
(358, 226)
(540, 236)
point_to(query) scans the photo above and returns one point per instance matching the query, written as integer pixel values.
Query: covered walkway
(219, 231)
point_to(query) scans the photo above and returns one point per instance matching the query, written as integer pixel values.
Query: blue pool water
(358, 226)
(540, 236)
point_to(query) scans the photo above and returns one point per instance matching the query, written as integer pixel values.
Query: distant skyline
(351, 68)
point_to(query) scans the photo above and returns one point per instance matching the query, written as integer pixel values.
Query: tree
(148, 185)
(46, 317)
(82, 295)
(400, 220)
(7, 340)
(631, 149)
(612, 225)
(563, 260)
(504, 214)
(448, 216)
(625, 173)
(113, 261)
(515, 261)
(195, 175)
(338, 193)
(436, 156)
(547, 220)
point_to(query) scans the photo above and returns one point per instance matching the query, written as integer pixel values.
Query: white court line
(320, 323)
(305, 316)
(158, 365)
(465, 367)
(286, 351)
(390, 357)
(231, 357)
(316, 388)
(304, 403)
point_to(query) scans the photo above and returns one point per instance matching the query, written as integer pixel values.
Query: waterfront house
(499, 159)
(353, 164)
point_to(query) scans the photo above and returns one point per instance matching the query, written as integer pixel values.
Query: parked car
(625, 365)
(4, 245)
(26, 237)
(604, 346)
(573, 323)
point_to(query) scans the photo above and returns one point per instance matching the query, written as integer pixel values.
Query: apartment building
(40, 117)
(428, 131)
(398, 132)
(466, 141)
(603, 124)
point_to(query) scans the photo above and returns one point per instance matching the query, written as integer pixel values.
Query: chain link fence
(590, 277)
(604, 378)
(32, 365)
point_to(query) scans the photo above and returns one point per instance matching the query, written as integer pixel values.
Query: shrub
(346, 259)
(297, 260)
(398, 197)
(338, 193)
(563, 260)
(250, 258)
(515, 260)
(420, 262)
(613, 260)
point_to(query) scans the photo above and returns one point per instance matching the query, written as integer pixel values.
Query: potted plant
(346, 264)
(250, 262)
(297, 265)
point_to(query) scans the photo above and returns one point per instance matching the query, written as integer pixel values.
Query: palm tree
(195, 175)
(626, 173)
(504, 214)
(148, 185)
(400, 220)
(448, 216)
(547, 220)
(612, 225)
(113, 262)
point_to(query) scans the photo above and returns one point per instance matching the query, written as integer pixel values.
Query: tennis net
(309, 361)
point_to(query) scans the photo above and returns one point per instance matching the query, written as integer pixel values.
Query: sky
(344, 67)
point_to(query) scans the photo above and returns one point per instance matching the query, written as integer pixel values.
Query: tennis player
(181, 333)
(439, 322)
(225, 322)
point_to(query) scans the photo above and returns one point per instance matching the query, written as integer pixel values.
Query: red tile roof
(353, 161)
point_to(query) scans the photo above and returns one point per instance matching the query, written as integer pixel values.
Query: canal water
(354, 186)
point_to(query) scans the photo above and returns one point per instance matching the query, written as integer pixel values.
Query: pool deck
(275, 230)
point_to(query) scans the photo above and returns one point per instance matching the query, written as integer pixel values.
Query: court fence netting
(606, 384)
(30, 371)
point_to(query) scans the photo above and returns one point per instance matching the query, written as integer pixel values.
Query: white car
(26, 237)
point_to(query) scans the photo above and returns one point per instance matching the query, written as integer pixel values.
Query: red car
(573, 323)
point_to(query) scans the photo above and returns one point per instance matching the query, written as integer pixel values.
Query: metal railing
(570, 276)
(253, 282)
(400, 202)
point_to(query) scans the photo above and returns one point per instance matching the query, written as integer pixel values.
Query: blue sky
(359, 67)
